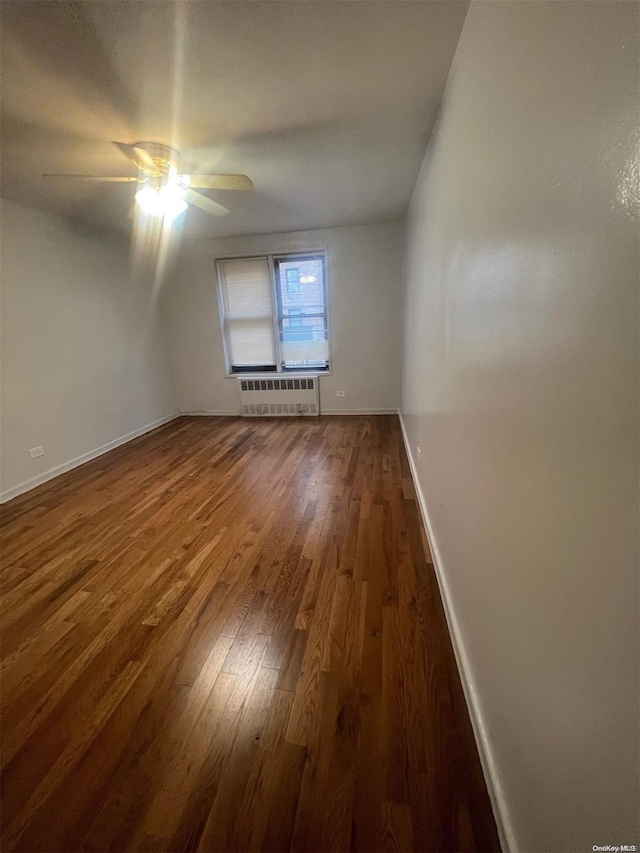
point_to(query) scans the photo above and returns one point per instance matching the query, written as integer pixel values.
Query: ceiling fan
(165, 191)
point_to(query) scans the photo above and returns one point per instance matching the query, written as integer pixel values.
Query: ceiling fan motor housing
(165, 157)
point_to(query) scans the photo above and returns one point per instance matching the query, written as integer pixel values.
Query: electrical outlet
(419, 451)
(340, 393)
(36, 451)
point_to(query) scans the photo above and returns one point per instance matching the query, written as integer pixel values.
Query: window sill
(288, 374)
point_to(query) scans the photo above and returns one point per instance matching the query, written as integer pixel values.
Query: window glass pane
(293, 280)
(302, 312)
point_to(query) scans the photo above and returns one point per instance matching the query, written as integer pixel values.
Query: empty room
(319, 426)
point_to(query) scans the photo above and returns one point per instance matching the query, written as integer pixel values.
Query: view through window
(302, 312)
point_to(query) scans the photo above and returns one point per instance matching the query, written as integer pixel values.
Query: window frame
(293, 372)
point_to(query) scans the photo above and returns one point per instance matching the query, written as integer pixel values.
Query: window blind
(245, 285)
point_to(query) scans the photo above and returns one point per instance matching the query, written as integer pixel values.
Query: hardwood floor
(227, 636)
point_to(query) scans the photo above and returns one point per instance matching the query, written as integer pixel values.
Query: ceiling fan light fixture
(166, 202)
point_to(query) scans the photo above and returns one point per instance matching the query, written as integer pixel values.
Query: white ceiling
(327, 106)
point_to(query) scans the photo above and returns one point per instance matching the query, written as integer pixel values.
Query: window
(274, 313)
(293, 280)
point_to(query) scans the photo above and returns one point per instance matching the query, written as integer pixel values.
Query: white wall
(84, 362)
(364, 273)
(520, 388)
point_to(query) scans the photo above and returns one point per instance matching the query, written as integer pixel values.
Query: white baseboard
(214, 413)
(494, 787)
(211, 413)
(358, 411)
(31, 483)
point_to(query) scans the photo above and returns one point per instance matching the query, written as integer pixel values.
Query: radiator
(272, 397)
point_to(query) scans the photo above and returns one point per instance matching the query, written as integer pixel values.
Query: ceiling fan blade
(204, 203)
(141, 159)
(115, 179)
(220, 182)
